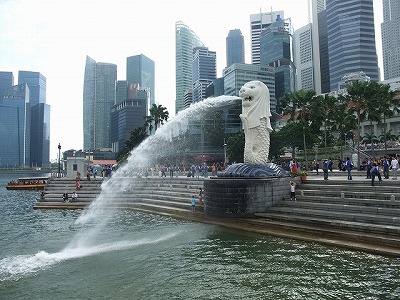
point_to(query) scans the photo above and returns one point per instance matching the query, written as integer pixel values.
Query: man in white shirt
(395, 165)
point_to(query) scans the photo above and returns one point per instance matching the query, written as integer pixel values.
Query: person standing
(193, 203)
(395, 166)
(348, 165)
(316, 166)
(386, 165)
(369, 167)
(375, 172)
(201, 193)
(292, 190)
(325, 169)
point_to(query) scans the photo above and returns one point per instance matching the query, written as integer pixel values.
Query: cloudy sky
(53, 37)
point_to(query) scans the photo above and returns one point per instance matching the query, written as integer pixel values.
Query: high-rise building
(237, 75)
(306, 52)
(351, 39)
(40, 118)
(15, 129)
(121, 90)
(140, 69)
(324, 52)
(40, 135)
(6, 81)
(275, 49)
(37, 85)
(185, 41)
(128, 115)
(234, 47)
(258, 22)
(98, 98)
(204, 71)
(391, 38)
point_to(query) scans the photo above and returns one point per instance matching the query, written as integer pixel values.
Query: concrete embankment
(337, 212)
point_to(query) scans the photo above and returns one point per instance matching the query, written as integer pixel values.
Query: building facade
(234, 47)
(185, 41)
(237, 75)
(204, 71)
(259, 22)
(141, 69)
(391, 39)
(15, 129)
(6, 81)
(351, 39)
(126, 116)
(40, 118)
(98, 98)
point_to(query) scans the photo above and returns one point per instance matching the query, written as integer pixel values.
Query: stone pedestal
(243, 196)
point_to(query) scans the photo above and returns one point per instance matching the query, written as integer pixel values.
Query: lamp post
(59, 160)
(225, 145)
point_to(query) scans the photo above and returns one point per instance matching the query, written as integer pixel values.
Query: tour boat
(28, 183)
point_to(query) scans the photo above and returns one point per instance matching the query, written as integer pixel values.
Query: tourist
(386, 165)
(201, 193)
(395, 166)
(291, 163)
(330, 164)
(78, 176)
(325, 169)
(292, 190)
(348, 164)
(316, 166)
(94, 173)
(294, 167)
(193, 203)
(369, 168)
(78, 185)
(74, 197)
(375, 171)
(65, 197)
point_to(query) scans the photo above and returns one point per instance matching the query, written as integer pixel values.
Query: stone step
(343, 207)
(362, 202)
(331, 231)
(347, 194)
(315, 221)
(338, 215)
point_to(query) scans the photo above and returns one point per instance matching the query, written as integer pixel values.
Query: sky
(53, 37)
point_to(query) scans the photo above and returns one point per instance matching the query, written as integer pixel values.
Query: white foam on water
(16, 267)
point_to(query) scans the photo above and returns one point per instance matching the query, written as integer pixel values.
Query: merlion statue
(256, 122)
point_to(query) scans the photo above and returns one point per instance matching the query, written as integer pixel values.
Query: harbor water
(144, 256)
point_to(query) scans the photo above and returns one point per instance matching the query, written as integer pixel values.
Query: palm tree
(158, 114)
(357, 95)
(326, 106)
(300, 106)
(388, 105)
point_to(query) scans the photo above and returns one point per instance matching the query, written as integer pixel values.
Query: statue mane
(255, 103)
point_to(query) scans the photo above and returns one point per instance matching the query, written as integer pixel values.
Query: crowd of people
(375, 167)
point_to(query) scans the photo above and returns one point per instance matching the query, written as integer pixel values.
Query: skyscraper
(98, 98)
(234, 47)
(6, 81)
(140, 69)
(37, 85)
(391, 38)
(40, 118)
(15, 116)
(275, 51)
(204, 71)
(185, 41)
(258, 22)
(351, 39)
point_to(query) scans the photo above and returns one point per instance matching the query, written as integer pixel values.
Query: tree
(358, 99)
(137, 136)
(326, 106)
(158, 115)
(235, 147)
(300, 105)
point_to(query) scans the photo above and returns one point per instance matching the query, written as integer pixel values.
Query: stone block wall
(242, 197)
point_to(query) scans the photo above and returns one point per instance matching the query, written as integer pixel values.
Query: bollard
(342, 195)
(302, 193)
(392, 197)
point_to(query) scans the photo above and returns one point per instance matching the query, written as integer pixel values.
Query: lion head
(255, 102)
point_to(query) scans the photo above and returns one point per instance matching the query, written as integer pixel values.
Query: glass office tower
(351, 39)
(98, 98)
(234, 47)
(185, 41)
(391, 38)
(140, 69)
